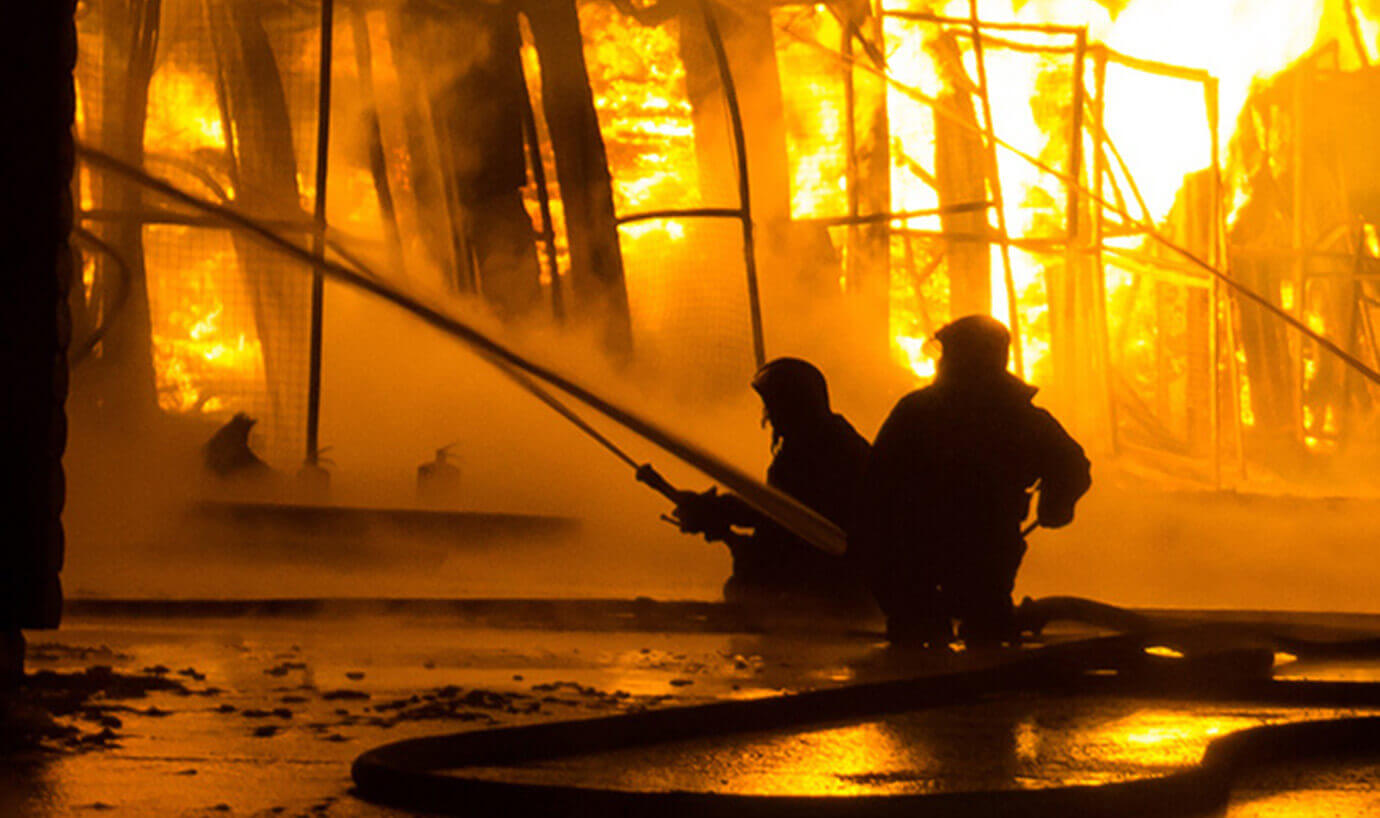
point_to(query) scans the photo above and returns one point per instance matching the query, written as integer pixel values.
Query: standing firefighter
(949, 485)
(819, 459)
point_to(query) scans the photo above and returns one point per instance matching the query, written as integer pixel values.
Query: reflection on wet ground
(274, 709)
(1008, 743)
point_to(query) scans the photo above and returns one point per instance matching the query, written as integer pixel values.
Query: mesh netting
(686, 281)
(229, 104)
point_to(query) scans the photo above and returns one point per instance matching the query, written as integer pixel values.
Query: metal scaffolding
(1192, 419)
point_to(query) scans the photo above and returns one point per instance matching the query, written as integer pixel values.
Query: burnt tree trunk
(37, 54)
(430, 207)
(265, 178)
(582, 171)
(478, 118)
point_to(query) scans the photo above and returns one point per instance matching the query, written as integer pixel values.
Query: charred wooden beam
(414, 133)
(869, 164)
(537, 163)
(994, 181)
(318, 281)
(477, 111)
(1098, 219)
(378, 162)
(1217, 240)
(596, 262)
(746, 35)
(264, 172)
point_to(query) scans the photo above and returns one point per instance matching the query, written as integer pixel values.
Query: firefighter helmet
(975, 340)
(790, 385)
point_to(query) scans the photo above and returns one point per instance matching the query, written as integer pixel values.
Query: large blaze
(203, 362)
(1163, 85)
(1158, 124)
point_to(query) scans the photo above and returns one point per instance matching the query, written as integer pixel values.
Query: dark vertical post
(1234, 376)
(378, 163)
(37, 54)
(735, 118)
(960, 175)
(323, 136)
(874, 183)
(1296, 241)
(879, 175)
(598, 289)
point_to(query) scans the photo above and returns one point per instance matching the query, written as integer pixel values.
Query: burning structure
(1175, 221)
(1174, 214)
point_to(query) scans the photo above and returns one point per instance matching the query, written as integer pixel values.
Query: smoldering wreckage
(624, 210)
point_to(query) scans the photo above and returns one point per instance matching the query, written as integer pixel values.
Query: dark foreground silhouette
(227, 453)
(948, 486)
(819, 459)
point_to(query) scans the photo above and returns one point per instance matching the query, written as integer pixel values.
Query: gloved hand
(702, 513)
(1053, 510)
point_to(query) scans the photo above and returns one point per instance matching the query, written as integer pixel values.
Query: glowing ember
(200, 363)
(182, 115)
(815, 111)
(190, 367)
(205, 362)
(639, 92)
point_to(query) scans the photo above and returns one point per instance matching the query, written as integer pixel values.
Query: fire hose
(430, 773)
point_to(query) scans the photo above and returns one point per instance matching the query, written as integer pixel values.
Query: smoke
(395, 390)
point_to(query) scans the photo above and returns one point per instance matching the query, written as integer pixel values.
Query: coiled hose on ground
(1220, 662)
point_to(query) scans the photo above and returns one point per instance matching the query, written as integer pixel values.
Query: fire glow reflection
(999, 745)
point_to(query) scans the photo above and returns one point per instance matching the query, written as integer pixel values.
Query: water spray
(800, 520)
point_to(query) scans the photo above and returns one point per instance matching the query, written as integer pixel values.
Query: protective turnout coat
(947, 488)
(823, 471)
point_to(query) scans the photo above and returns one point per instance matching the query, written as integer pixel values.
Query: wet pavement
(1009, 743)
(262, 715)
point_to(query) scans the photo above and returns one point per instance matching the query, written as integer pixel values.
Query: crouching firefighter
(948, 487)
(818, 459)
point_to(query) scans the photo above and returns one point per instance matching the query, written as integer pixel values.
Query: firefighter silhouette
(948, 486)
